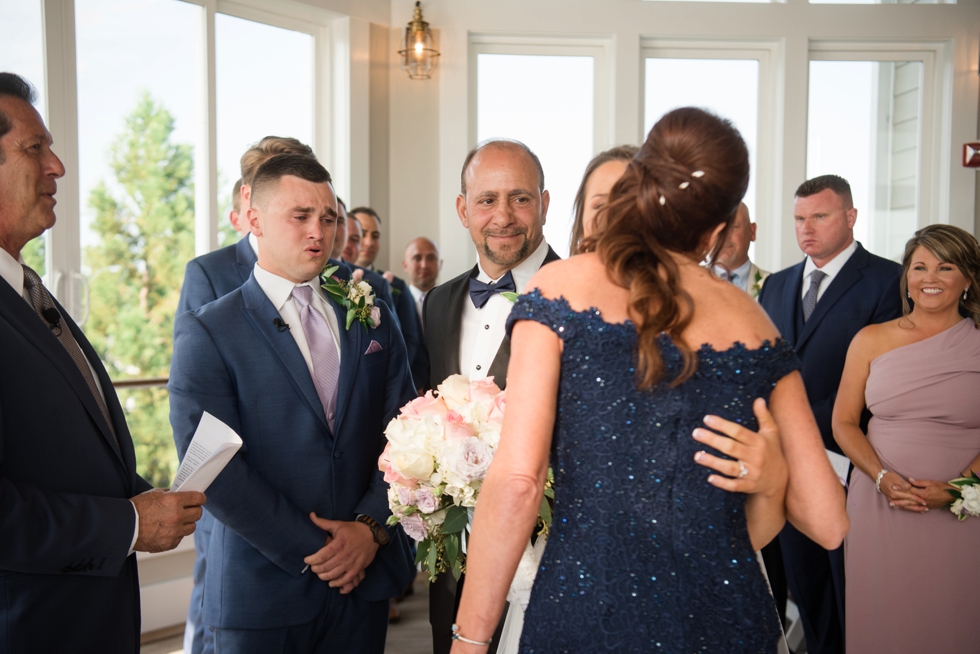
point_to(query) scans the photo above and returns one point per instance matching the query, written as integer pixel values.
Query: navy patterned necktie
(481, 292)
(44, 306)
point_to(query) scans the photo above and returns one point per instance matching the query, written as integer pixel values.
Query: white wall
(429, 120)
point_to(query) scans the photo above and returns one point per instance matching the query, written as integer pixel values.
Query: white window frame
(332, 121)
(769, 53)
(935, 115)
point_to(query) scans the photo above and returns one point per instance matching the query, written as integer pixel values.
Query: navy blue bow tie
(481, 292)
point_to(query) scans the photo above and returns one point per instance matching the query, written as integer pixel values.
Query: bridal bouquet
(439, 449)
(966, 500)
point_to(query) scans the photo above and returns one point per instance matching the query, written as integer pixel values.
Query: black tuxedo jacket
(865, 292)
(443, 318)
(67, 583)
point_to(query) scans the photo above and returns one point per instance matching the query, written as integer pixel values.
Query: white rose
(490, 434)
(455, 391)
(366, 292)
(413, 464)
(956, 507)
(470, 459)
(971, 500)
(408, 433)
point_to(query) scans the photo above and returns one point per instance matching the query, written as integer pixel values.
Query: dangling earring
(965, 292)
(908, 295)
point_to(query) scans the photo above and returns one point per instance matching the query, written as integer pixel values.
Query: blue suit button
(337, 454)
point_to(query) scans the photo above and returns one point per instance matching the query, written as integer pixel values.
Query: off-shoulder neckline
(593, 313)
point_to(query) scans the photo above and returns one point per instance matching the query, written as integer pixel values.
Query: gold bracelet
(464, 639)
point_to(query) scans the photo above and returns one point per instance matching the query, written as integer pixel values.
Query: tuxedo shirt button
(486, 326)
(479, 367)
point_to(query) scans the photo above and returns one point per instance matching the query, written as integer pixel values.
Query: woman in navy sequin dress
(649, 551)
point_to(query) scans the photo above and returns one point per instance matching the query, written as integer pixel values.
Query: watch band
(377, 531)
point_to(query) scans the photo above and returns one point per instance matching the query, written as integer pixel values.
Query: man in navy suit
(300, 559)
(819, 305)
(72, 508)
(408, 316)
(206, 278)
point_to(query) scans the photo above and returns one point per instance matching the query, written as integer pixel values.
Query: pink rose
(385, 459)
(483, 389)
(427, 405)
(392, 477)
(406, 496)
(375, 316)
(414, 526)
(456, 429)
(497, 412)
(426, 500)
(357, 276)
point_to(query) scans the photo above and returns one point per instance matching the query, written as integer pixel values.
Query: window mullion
(206, 158)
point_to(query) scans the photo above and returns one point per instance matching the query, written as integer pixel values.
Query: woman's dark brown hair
(952, 245)
(688, 178)
(619, 153)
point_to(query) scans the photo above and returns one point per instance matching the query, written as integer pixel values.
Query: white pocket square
(373, 347)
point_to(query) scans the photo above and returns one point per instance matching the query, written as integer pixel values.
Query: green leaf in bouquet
(976, 479)
(544, 511)
(457, 569)
(431, 558)
(334, 292)
(955, 494)
(328, 272)
(423, 550)
(350, 317)
(452, 548)
(455, 520)
(509, 295)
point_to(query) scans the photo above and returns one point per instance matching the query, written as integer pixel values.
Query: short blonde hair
(267, 148)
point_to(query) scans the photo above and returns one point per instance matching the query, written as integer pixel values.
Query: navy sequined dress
(644, 554)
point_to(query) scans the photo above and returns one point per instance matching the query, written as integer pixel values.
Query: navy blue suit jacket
(215, 274)
(408, 317)
(231, 361)
(864, 292)
(67, 582)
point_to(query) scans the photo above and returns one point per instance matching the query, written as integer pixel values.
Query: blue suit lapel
(260, 312)
(25, 319)
(791, 303)
(849, 275)
(351, 349)
(245, 259)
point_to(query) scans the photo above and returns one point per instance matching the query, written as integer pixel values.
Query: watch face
(381, 535)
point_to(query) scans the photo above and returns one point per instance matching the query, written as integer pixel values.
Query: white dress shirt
(254, 243)
(483, 330)
(419, 296)
(13, 274)
(831, 268)
(739, 276)
(279, 291)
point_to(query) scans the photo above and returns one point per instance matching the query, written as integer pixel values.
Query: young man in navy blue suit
(819, 305)
(300, 559)
(206, 278)
(73, 510)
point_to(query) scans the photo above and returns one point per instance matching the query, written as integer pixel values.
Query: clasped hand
(916, 495)
(760, 452)
(165, 517)
(347, 552)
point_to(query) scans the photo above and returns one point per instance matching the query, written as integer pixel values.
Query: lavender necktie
(810, 299)
(323, 351)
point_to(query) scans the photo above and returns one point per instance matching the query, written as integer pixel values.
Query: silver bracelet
(878, 479)
(464, 639)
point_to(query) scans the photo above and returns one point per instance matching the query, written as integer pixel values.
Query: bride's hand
(759, 452)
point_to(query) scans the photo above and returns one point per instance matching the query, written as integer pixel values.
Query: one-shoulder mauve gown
(912, 578)
(644, 554)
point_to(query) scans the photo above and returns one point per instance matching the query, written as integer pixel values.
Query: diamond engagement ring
(742, 470)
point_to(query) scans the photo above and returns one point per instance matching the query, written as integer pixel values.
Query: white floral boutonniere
(756, 286)
(966, 500)
(355, 295)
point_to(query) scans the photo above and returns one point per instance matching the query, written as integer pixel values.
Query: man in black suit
(404, 306)
(72, 508)
(819, 305)
(503, 204)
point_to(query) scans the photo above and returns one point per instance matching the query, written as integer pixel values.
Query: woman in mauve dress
(912, 568)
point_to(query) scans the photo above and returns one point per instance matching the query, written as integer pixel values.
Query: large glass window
(554, 117)
(864, 125)
(139, 118)
(264, 78)
(881, 2)
(22, 52)
(727, 87)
